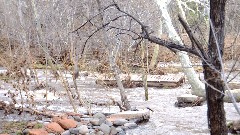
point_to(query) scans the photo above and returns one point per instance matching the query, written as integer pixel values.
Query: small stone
(37, 132)
(67, 132)
(67, 123)
(95, 127)
(95, 121)
(105, 129)
(113, 131)
(26, 131)
(122, 133)
(109, 123)
(99, 133)
(101, 117)
(74, 130)
(54, 128)
(92, 132)
(85, 121)
(83, 129)
(130, 125)
(119, 129)
(120, 122)
(77, 118)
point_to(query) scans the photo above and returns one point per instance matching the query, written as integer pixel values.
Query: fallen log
(135, 80)
(138, 116)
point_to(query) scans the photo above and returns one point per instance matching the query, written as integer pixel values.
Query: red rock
(56, 119)
(54, 128)
(38, 132)
(67, 123)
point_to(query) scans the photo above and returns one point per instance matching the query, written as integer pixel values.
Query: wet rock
(234, 126)
(105, 129)
(95, 122)
(120, 131)
(37, 132)
(113, 131)
(74, 130)
(54, 128)
(77, 118)
(26, 131)
(67, 123)
(83, 129)
(120, 122)
(100, 116)
(67, 132)
(130, 125)
(189, 98)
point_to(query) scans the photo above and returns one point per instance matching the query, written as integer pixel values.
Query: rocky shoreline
(81, 124)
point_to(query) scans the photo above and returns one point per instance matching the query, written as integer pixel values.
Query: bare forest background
(112, 37)
(31, 32)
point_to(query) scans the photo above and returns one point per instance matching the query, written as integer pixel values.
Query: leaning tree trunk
(194, 81)
(213, 77)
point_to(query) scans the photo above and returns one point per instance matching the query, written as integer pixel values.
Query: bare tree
(211, 58)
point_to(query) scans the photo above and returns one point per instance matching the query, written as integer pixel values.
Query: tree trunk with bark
(212, 73)
(125, 103)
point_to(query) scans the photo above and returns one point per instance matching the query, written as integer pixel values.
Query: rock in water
(189, 100)
(234, 127)
(119, 122)
(130, 125)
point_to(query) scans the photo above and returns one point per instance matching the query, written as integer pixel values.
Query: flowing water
(166, 119)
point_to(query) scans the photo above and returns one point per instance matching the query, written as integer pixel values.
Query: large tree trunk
(213, 77)
(197, 86)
